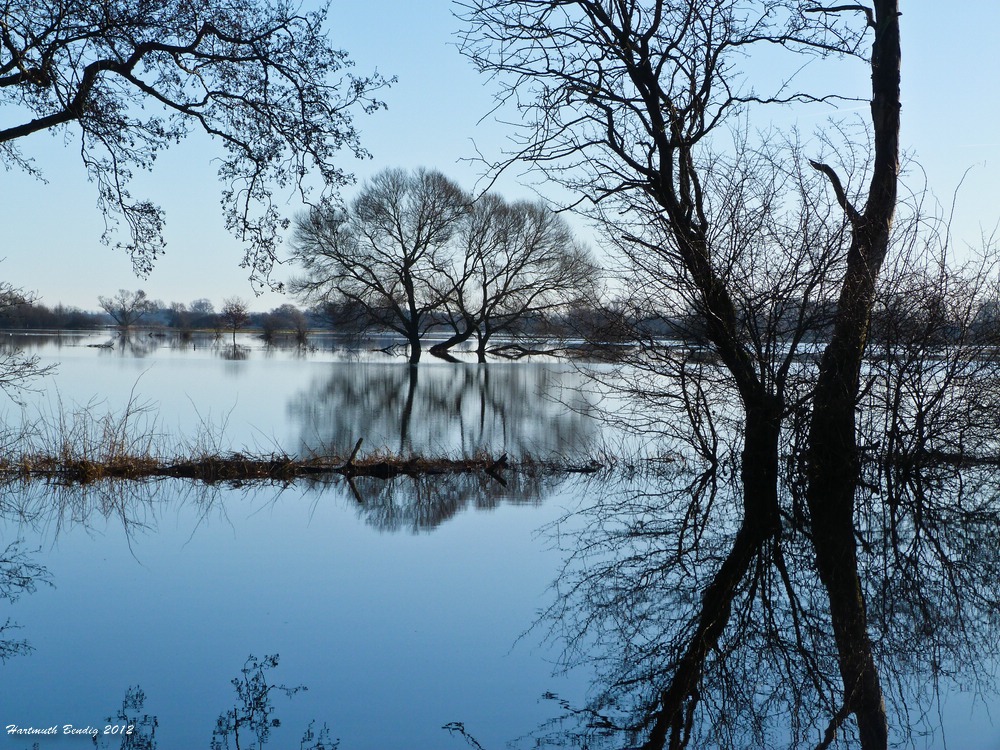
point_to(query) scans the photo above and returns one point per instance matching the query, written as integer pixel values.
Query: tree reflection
(435, 410)
(247, 725)
(137, 344)
(642, 574)
(234, 353)
(253, 713)
(424, 502)
(19, 575)
(138, 727)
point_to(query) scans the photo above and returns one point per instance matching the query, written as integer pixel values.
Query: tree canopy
(414, 251)
(129, 78)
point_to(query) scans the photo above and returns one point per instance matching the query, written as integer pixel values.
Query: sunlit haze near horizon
(51, 238)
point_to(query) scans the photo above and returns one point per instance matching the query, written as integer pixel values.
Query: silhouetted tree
(285, 318)
(261, 78)
(179, 317)
(126, 308)
(235, 315)
(202, 313)
(514, 262)
(634, 107)
(386, 252)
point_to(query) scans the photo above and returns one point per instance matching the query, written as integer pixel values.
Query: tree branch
(838, 188)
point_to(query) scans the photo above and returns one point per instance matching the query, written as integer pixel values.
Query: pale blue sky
(51, 231)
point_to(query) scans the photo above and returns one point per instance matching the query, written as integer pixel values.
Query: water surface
(402, 606)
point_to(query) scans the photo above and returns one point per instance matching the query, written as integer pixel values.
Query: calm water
(400, 613)
(401, 607)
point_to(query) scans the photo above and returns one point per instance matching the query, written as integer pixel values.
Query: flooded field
(410, 609)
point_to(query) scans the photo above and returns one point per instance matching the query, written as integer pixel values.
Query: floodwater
(401, 609)
(402, 606)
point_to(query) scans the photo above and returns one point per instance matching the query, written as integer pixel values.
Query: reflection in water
(629, 597)
(234, 352)
(19, 575)
(248, 724)
(632, 594)
(130, 728)
(400, 503)
(253, 713)
(641, 572)
(447, 410)
(422, 503)
(147, 515)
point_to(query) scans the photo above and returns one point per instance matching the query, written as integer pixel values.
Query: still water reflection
(448, 409)
(161, 590)
(407, 605)
(169, 587)
(300, 400)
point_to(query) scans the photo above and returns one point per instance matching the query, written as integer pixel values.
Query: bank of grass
(238, 466)
(82, 445)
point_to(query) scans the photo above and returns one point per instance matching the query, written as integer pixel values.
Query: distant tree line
(128, 309)
(607, 324)
(895, 314)
(35, 316)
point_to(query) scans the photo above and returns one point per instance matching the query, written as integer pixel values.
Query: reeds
(81, 445)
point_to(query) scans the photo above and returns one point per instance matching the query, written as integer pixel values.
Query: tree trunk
(414, 340)
(671, 721)
(459, 337)
(833, 453)
(833, 480)
(482, 338)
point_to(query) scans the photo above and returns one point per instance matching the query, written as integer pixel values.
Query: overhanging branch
(838, 188)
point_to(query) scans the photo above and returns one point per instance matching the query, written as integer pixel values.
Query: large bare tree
(385, 254)
(514, 263)
(634, 105)
(130, 78)
(126, 307)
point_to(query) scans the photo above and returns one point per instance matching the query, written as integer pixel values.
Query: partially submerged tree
(385, 254)
(414, 251)
(17, 369)
(515, 263)
(235, 315)
(631, 104)
(287, 318)
(131, 79)
(126, 308)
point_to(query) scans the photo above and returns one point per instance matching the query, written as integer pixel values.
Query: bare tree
(386, 252)
(126, 308)
(515, 262)
(202, 313)
(17, 370)
(633, 106)
(260, 77)
(285, 318)
(235, 315)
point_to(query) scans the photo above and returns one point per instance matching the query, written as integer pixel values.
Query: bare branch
(838, 189)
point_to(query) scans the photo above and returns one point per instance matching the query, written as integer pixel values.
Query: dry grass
(81, 446)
